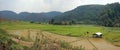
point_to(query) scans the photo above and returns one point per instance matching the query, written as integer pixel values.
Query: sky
(47, 5)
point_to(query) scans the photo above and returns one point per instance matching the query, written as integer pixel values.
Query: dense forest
(110, 15)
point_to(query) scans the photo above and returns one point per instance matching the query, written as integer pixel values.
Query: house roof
(98, 33)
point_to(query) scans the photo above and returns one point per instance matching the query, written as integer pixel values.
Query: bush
(2, 31)
(69, 34)
(4, 39)
(16, 47)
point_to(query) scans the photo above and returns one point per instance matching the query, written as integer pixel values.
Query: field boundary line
(92, 44)
(76, 40)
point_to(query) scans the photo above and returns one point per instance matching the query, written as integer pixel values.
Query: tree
(110, 17)
(52, 21)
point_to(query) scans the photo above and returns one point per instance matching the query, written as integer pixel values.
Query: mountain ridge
(26, 16)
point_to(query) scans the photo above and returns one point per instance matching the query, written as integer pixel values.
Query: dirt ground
(24, 43)
(88, 43)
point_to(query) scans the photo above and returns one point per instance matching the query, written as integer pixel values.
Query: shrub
(16, 47)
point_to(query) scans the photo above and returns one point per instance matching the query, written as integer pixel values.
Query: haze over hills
(8, 15)
(26, 16)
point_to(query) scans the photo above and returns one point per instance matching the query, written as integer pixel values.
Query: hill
(8, 15)
(26, 16)
(110, 17)
(82, 14)
(38, 17)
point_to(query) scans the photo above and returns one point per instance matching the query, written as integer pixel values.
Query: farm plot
(87, 43)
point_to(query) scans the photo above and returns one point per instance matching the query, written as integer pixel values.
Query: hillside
(26, 16)
(110, 17)
(82, 14)
(8, 15)
(38, 17)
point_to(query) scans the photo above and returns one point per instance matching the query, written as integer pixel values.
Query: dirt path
(102, 44)
(88, 43)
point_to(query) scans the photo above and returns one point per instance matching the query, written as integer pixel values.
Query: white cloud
(47, 5)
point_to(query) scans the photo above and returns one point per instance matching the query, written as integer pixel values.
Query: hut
(97, 35)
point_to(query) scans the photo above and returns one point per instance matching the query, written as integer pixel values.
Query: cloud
(47, 5)
(38, 5)
(62, 5)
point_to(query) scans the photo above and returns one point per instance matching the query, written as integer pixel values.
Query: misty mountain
(26, 16)
(38, 17)
(8, 15)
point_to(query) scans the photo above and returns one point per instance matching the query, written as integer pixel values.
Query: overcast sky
(47, 5)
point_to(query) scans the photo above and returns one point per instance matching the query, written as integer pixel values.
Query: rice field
(110, 33)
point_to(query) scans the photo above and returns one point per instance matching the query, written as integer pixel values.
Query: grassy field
(110, 33)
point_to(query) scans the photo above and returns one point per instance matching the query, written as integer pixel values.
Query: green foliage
(32, 22)
(78, 48)
(16, 47)
(86, 14)
(2, 31)
(4, 37)
(109, 33)
(52, 21)
(5, 40)
(110, 17)
(69, 34)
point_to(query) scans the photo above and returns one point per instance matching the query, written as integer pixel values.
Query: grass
(42, 42)
(58, 29)
(109, 33)
(7, 42)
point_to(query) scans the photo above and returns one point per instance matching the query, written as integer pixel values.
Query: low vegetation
(109, 33)
(6, 43)
(44, 43)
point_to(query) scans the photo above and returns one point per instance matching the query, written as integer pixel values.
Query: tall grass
(6, 43)
(43, 42)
